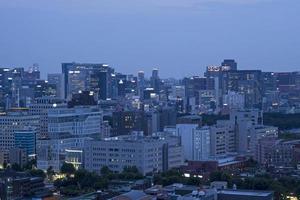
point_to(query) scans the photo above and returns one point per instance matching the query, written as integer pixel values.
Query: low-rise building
(245, 195)
(276, 152)
(148, 154)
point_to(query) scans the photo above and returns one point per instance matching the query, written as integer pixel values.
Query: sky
(179, 37)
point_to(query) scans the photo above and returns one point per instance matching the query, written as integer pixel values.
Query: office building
(78, 121)
(148, 154)
(230, 63)
(60, 148)
(141, 83)
(155, 81)
(12, 122)
(222, 140)
(276, 152)
(195, 141)
(26, 140)
(88, 77)
(57, 80)
(41, 106)
(68, 130)
(119, 152)
(234, 100)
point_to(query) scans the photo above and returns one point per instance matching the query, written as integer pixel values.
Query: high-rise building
(12, 122)
(57, 80)
(246, 82)
(222, 140)
(68, 130)
(234, 100)
(155, 81)
(26, 140)
(195, 141)
(78, 121)
(40, 108)
(125, 122)
(10, 86)
(230, 63)
(88, 77)
(141, 83)
(244, 120)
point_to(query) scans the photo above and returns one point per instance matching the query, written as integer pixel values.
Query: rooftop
(247, 192)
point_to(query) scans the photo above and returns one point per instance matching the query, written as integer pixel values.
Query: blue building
(26, 139)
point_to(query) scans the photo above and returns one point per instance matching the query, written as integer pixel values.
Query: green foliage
(70, 190)
(67, 168)
(4, 165)
(16, 167)
(212, 119)
(275, 119)
(101, 184)
(250, 163)
(130, 169)
(105, 171)
(288, 136)
(38, 173)
(174, 176)
(220, 176)
(30, 164)
(82, 181)
(130, 173)
(50, 172)
(281, 187)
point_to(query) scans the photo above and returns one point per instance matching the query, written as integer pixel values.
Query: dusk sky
(180, 37)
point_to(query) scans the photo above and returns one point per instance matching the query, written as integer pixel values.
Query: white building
(79, 121)
(57, 150)
(119, 152)
(41, 106)
(178, 91)
(12, 122)
(68, 129)
(243, 121)
(222, 140)
(148, 154)
(234, 100)
(57, 80)
(260, 131)
(195, 141)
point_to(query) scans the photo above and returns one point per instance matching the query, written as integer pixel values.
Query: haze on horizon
(180, 37)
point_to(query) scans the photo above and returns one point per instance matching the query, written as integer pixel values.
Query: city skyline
(150, 99)
(139, 35)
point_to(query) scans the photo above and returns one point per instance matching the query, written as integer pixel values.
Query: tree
(30, 164)
(4, 165)
(130, 169)
(101, 184)
(37, 172)
(105, 171)
(130, 172)
(16, 167)
(67, 168)
(261, 184)
(50, 172)
(278, 189)
(220, 176)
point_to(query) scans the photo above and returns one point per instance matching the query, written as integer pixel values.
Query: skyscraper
(88, 77)
(229, 63)
(141, 83)
(155, 81)
(57, 80)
